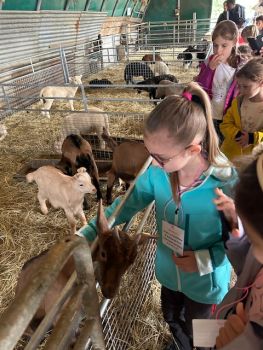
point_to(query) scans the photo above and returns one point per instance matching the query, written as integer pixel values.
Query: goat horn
(116, 234)
(102, 223)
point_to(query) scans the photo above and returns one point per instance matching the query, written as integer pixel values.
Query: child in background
(187, 167)
(243, 304)
(248, 32)
(245, 53)
(217, 75)
(242, 125)
(259, 24)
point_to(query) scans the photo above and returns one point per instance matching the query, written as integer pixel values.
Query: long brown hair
(185, 120)
(249, 192)
(252, 70)
(228, 30)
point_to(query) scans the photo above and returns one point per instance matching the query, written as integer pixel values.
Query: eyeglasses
(163, 161)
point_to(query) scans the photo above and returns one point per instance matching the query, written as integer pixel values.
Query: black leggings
(217, 128)
(179, 311)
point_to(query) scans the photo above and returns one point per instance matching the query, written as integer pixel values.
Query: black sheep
(154, 81)
(137, 69)
(99, 82)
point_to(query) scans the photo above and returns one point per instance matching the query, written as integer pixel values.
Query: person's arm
(141, 196)
(221, 17)
(215, 256)
(205, 77)
(237, 244)
(228, 126)
(239, 332)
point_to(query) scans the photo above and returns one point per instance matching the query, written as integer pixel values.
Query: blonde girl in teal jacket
(187, 167)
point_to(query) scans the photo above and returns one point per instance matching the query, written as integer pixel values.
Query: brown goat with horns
(116, 252)
(128, 159)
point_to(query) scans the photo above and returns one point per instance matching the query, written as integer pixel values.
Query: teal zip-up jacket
(198, 216)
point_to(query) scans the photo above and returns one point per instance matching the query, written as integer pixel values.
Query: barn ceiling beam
(87, 5)
(114, 8)
(68, 2)
(134, 6)
(103, 2)
(125, 8)
(38, 5)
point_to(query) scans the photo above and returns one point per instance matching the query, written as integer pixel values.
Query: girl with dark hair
(217, 74)
(243, 304)
(187, 166)
(242, 125)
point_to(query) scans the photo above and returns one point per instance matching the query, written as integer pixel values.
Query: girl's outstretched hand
(227, 205)
(187, 262)
(215, 62)
(233, 327)
(243, 139)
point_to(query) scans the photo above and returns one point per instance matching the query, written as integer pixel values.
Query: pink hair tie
(187, 95)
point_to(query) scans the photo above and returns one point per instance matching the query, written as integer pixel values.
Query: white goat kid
(59, 92)
(62, 191)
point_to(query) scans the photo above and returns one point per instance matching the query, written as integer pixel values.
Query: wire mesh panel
(124, 310)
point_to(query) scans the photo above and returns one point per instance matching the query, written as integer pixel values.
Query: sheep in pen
(37, 233)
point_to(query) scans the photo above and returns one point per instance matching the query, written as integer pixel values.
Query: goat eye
(103, 255)
(81, 185)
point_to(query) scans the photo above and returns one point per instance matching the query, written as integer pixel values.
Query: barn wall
(24, 34)
(166, 12)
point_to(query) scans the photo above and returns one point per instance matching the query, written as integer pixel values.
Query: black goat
(154, 81)
(137, 69)
(99, 82)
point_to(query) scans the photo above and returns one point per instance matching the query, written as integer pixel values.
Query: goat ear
(102, 223)
(144, 237)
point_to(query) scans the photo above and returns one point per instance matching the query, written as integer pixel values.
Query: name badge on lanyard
(173, 237)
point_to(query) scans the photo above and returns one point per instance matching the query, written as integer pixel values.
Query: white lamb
(61, 92)
(3, 131)
(83, 123)
(160, 68)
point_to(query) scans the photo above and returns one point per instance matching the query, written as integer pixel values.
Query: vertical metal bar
(86, 8)
(32, 67)
(127, 43)
(64, 64)
(125, 8)
(194, 26)
(6, 98)
(173, 40)
(1, 4)
(38, 5)
(154, 53)
(84, 98)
